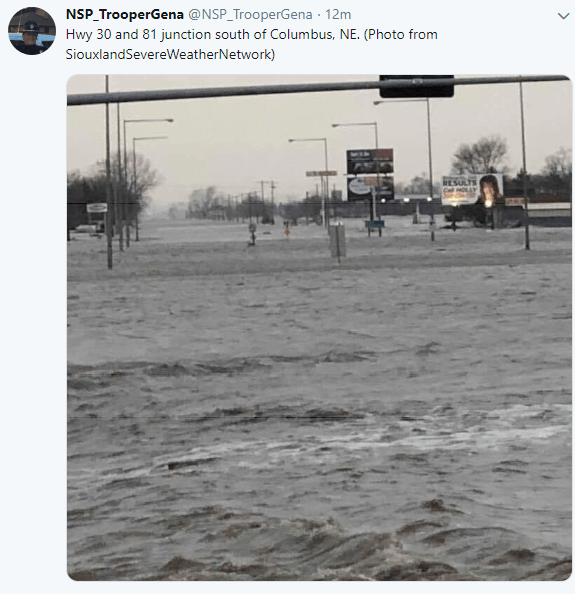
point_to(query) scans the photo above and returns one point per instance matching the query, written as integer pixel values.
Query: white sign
(484, 188)
(358, 186)
(97, 207)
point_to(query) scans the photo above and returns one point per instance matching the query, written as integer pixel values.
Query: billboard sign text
(458, 190)
(369, 161)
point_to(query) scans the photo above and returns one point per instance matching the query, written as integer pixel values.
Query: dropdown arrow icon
(563, 17)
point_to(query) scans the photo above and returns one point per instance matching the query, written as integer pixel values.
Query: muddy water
(323, 424)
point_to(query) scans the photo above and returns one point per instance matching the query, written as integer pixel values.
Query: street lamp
(373, 208)
(525, 200)
(325, 197)
(135, 175)
(169, 120)
(428, 151)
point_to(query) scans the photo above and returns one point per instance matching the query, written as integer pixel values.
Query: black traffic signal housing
(416, 90)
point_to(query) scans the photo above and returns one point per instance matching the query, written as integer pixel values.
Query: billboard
(360, 188)
(369, 161)
(486, 188)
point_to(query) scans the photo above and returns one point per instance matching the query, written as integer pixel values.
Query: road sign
(97, 207)
(321, 173)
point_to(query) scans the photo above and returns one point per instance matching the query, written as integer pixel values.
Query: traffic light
(418, 88)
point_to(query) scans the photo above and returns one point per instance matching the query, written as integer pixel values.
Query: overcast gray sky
(234, 142)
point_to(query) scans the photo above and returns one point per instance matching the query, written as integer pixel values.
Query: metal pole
(119, 189)
(378, 191)
(127, 191)
(135, 185)
(430, 171)
(137, 199)
(108, 185)
(162, 95)
(372, 209)
(272, 186)
(263, 203)
(125, 209)
(432, 222)
(326, 196)
(525, 200)
(137, 194)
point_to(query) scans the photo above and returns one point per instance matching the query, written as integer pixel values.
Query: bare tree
(559, 164)
(135, 189)
(556, 177)
(201, 201)
(419, 184)
(487, 155)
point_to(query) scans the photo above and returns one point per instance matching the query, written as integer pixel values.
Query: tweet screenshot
(312, 317)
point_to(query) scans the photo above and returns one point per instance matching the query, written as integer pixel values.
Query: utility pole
(273, 186)
(262, 182)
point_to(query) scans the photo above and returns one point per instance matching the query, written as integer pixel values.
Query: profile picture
(31, 31)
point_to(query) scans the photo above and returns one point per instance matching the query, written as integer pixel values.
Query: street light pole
(119, 189)
(326, 198)
(125, 209)
(428, 152)
(525, 201)
(108, 186)
(374, 214)
(125, 205)
(135, 176)
(430, 171)
(135, 185)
